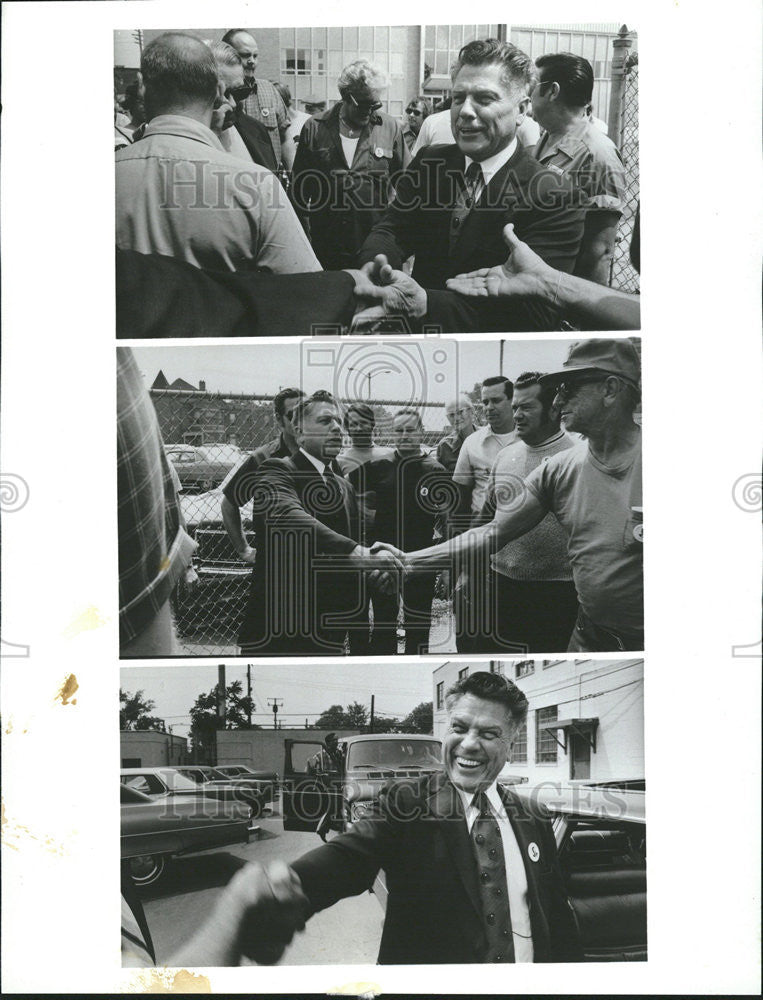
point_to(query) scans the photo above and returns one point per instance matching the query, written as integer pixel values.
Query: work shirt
(600, 508)
(267, 106)
(591, 160)
(475, 462)
(541, 553)
(516, 877)
(413, 497)
(248, 466)
(178, 193)
(449, 448)
(341, 201)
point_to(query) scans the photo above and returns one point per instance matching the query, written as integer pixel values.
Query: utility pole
(371, 720)
(221, 693)
(275, 702)
(249, 693)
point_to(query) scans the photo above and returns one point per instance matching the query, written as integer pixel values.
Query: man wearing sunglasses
(415, 114)
(593, 489)
(345, 164)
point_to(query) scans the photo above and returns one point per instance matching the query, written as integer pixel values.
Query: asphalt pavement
(346, 934)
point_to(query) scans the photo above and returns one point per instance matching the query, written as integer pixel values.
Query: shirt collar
(189, 128)
(493, 797)
(320, 466)
(493, 164)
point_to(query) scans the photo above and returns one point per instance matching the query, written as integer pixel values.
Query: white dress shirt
(516, 877)
(320, 466)
(493, 164)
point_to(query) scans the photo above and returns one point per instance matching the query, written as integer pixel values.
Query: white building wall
(610, 690)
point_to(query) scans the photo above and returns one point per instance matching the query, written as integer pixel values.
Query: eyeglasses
(566, 390)
(413, 111)
(364, 106)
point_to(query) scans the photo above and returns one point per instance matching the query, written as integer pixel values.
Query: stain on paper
(89, 619)
(67, 690)
(364, 991)
(169, 981)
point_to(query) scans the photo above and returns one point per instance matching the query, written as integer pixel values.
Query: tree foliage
(134, 713)
(205, 721)
(419, 720)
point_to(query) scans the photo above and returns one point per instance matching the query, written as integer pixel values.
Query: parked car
(600, 834)
(263, 782)
(325, 789)
(201, 468)
(153, 832)
(169, 782)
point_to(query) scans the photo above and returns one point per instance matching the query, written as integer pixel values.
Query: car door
(312, 786)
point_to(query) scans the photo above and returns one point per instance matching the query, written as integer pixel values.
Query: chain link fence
(623, 275)
(206, 436)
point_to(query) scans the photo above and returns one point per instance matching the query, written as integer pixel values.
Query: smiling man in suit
(452, 203)
(305, 590)
(471, 870)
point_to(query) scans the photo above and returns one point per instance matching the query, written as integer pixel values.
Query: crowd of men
(238, 214)
(536, 516)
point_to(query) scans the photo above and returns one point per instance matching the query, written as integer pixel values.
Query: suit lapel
(447, 808)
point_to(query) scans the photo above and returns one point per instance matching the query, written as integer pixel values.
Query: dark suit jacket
(256, 139)
(299, 602)
(160, 296)
(540, 202)
(434, 913)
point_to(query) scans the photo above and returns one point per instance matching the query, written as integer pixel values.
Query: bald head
(180, 77)
(246, 49)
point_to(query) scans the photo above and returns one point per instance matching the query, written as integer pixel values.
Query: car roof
(146, 770)
(583, 801)
(389, 736)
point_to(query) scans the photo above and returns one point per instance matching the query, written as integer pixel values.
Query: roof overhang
(585, 728)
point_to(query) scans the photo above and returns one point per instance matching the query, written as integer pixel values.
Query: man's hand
(389, 576)
(384, 292)
(273, 907)
(524, 274)
(380, 548)
(249, 555)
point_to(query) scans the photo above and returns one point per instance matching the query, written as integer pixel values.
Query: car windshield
(394, 754)
(178, 782)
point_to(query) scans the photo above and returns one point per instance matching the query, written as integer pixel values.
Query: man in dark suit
(452, 203)
(305, 590)
(471, 870)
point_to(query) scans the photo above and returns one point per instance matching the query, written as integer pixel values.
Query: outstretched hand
(383, 291)
(523, 274)
(274, 907)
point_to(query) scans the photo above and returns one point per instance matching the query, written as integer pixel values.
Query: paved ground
(348, 933)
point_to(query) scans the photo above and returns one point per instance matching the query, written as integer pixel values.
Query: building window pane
(470, 33)
(441, 64)
(381, 38)
(464, 672)
(440, 694)
(545, 744)
(456, 34)
(350, 40)
(336, 63)
(429, 36)
(442, 37)
(396, 63)
(366, 38)
(519, 750)
(319, 37)
(524, 668)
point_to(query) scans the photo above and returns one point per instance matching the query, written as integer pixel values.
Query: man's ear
(522, 107)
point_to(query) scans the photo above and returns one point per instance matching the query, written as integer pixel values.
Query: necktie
(473, 183)
(491, 876)
(334, 496)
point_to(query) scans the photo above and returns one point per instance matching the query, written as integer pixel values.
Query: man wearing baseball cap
(594, 489)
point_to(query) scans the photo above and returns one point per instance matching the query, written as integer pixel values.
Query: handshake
(383, 292)
(387, 565)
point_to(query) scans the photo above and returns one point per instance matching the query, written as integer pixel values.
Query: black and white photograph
(374, 498)
(460, 178)
(340, 817)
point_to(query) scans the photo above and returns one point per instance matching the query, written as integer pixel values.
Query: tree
(356, 716)
(384, 724)
(205, 721)
(419, 720)
(133, 713)
(332, 718)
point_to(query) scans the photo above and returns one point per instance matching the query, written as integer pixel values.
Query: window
(496, 667)
(463, 673)
(524, 668)
(519, 750)
(442, 43)
(545, 744)
(440, 690)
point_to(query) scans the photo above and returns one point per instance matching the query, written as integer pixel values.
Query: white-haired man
(346, 160)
